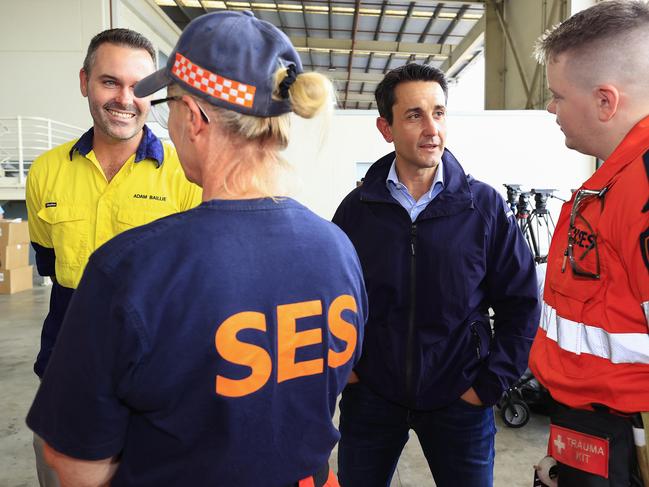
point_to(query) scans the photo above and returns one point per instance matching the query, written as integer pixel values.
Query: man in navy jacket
(438, 249)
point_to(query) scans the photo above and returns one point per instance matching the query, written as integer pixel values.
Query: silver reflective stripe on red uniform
(578, 338)
(645, 307)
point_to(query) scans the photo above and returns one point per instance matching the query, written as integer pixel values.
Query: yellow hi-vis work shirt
(73, 209)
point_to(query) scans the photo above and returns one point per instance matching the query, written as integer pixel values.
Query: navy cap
(229, 59)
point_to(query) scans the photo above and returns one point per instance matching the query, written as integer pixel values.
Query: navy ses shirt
(208, 348)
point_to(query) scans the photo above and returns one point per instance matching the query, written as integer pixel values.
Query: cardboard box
(13, 232)
(15, 280)
(13, 256)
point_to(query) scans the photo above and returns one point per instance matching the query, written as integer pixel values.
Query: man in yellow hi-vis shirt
(118, 175)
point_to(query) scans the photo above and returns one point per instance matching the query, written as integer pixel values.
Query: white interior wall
(497, 147)
(43, 44)
(579, 5)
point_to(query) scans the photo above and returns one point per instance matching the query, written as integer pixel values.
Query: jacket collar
(150, 146)
(456, 196)
(634, 145)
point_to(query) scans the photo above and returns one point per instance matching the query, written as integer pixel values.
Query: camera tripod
(537, 224)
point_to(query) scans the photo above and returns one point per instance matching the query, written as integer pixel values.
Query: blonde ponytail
(310, 94)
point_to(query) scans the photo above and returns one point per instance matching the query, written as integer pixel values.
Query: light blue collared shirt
(400, 193)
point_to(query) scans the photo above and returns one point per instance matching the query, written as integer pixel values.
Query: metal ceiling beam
(466, 62)
(519, 66)
(306, 30)
(279, 15)
(184, 10)
(429, 26)
(283, 28)
(387, 47)
(431, 21)
(379, 22)
(313, 29)
(537, 70)
(453, 24)
(411, 6)
(360, 97)
(474, 3)
(396, 10)
(470, 42)
(451, 4)
(402, 29)
(329, 17)
(377, 31)
(350, 63)
(203, 6)
(356, 76)
(306, 25)
(428, 2)
(331, 57)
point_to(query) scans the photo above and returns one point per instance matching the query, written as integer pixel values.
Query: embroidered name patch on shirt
(143, 196)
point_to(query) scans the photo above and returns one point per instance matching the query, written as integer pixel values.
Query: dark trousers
(457, 441)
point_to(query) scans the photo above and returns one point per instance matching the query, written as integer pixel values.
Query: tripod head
(513, 190)
(523, 206)
(541, 199)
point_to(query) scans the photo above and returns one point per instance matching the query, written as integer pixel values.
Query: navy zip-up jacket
(430, 284)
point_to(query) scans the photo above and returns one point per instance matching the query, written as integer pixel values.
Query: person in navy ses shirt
(209, 347)
(438, 249)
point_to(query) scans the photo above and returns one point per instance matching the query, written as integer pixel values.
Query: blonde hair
(259, 139)
(309, 95)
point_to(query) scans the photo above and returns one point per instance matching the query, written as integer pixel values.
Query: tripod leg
(535, 245)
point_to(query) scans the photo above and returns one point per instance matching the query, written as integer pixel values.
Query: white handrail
(23, 139)
(42, 119)
(21, 154)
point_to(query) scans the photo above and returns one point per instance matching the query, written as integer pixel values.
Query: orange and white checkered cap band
(212, 84)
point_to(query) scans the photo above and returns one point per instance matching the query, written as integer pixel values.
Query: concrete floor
(21, 316)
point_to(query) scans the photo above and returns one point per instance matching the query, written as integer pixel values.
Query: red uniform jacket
(593, 342)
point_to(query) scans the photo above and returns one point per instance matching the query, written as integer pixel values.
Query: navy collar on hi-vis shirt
(150, 146)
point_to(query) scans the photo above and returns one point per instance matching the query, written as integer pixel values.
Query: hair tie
(291, 76)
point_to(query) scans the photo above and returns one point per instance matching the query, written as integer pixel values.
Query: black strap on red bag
(318, 479)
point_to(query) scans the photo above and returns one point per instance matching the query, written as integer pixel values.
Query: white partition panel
(497, 147)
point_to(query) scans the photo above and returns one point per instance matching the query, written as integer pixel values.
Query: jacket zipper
(476, 335)
(411, 315)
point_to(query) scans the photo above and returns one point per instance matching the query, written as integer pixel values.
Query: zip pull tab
(413, 236)
(563, 264)
(476, 336)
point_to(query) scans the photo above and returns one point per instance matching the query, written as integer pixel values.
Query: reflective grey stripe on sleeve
(645, 307)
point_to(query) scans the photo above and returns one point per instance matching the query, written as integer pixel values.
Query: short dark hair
(384, 93)
(598, 23)
(119, 37)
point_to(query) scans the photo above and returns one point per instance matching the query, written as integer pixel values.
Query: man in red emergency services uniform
(592, 348)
